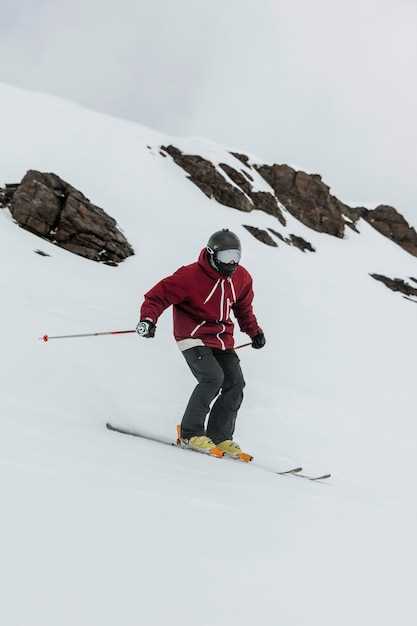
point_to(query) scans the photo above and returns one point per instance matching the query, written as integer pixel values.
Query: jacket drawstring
(212, 291)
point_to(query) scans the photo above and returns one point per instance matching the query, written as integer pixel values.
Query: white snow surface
(98, 529)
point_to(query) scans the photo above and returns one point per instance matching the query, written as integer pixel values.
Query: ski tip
(321, 477)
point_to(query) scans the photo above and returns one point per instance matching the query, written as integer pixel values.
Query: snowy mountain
(100, 529)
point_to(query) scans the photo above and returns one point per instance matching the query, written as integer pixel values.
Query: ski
(295, 471)
(322, 477)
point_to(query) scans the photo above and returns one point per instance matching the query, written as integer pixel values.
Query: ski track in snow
(99, 529)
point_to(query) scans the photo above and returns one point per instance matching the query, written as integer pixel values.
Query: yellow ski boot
(200, 443)
(233, 449)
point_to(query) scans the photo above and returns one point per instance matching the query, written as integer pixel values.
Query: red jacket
(202, 299)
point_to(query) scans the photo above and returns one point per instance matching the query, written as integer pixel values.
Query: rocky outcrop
(309, 199)
(277, 234)
(303, 195)
(353, 215)
(294, 240)
(301, 243)
(261, 235)
(396, 284)
(262, 200)
(6, 195)
(238, 193)
(243, 158)
(386, 220)
(48, 206)
(306, 197)
(203, 174)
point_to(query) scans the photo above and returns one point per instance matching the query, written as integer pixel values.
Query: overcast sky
(328, 86)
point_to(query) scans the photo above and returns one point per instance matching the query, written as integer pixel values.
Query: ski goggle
(228, 256)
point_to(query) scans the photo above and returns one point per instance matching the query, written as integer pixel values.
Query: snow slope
(99, 529)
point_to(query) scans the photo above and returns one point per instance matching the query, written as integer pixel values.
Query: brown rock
(243, 158)
(206, 177)
(301, 243)
(237, 178)
(262, 235)
(306, 197)
(248, 176)
(353, 213)
(396, 284)
(50, 207)
(41, 253)
(277, 234)
(386, 220)
(294, 240)
(262, 200)
(6, 195)
(266, 202)
(239, 195)
(3, 202)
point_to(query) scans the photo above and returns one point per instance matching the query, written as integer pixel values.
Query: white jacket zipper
(222, 301)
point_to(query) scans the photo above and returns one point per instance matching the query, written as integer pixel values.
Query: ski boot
(232, 449)
(200, 443)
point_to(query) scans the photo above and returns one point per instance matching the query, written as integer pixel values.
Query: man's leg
(210, 377)
(221, 424)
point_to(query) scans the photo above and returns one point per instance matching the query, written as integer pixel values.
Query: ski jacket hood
(202, 301)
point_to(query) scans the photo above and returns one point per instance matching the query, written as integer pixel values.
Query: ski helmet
(224, 251)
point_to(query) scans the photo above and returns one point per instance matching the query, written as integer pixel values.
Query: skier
(203, 294)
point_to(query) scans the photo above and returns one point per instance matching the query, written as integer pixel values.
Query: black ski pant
(219, 375)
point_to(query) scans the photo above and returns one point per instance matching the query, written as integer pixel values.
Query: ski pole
(109, 332)
(243, 345)
(46, 338)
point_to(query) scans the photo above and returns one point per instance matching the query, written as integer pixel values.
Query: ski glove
(146, 328)
(258, 341)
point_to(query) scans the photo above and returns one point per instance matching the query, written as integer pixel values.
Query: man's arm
(170, 290)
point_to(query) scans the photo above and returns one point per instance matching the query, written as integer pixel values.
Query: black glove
(258, 341)
(146, 328)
